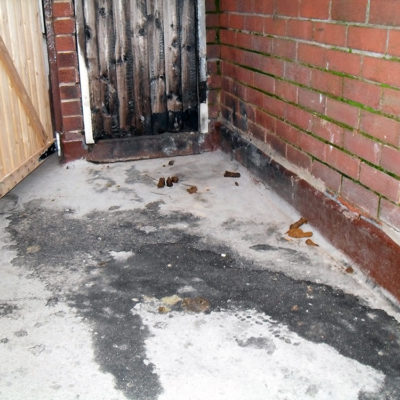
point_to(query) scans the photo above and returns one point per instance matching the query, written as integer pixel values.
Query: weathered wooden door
(25, 119)
(142, 61)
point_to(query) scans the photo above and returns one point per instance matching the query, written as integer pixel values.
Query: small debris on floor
(349, 270)
(231, 174)
(309, 242)
(295, 308)
(236, 183)
(174, 179)
(163, 310)
(298, 223)
(171, 300)
(298, 233)
(169, 182)
(161, 183)
(192, 189)
(196, 304)
(172, 162)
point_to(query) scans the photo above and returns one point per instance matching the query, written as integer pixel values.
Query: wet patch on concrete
(77, 259)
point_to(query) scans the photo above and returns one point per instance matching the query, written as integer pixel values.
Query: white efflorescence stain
(231, 355)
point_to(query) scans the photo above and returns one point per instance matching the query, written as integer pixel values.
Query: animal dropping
(196, 304)
(298, 233)
(161, 183)
(230, 174)
(192, 189)
(298, 223)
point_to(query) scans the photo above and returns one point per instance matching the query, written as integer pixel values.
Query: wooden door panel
(25, 120)
(141, 57)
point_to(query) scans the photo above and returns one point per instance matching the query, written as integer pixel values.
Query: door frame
(202, 71)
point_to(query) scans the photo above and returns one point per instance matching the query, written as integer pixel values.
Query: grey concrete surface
(112, 288)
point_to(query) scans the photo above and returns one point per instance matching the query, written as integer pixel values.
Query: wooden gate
(25, 119)
(142, 62)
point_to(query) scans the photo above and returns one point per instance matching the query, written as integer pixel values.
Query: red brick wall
(319, 81)
(69, 108)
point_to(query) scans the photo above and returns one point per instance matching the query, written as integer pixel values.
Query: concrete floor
(101, 274)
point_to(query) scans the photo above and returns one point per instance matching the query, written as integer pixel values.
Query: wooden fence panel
(25, 119)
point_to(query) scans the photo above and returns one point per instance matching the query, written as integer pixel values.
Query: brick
(71, 108)
(254, 23)
(390, 102)
(312, 100)
(211, 35)
(236, 21)
(390, 214)
(68, 75)
(228, 36)
(274, 106)
(274, 26)
(312, 145)
(276, 143)
(287, 7)
(286, 91)
(72, 123)
(284, 48)
(342, 112)
(382, 71)
(272, 66)
(63, 9)
(361, 197)
(299, 29)
(318, 9)
(298, 117)
(265, 120)
(327, 130)
(342, 161)
(385, 129)
(362, 146)
(394, 43)
(341, 61)
(254, 97)
(385, 12)
(326, 82)
(245, 75)
(213, 51)
(228, 5)
(362, 92)
(264, 7)
(264, 82)
(313, 55)
(380, 182)
(287, 132)
(65, 43)
(298, 158)
(215, 20)
(390, 159)
(262, 43)
(65, 60)
(349, 10)
(257, 131)
(297, 73)
(70, 92)
(370, 39)
(330, 177)
(210, 6)
(64, 26)
(243, 40)
(334, 34)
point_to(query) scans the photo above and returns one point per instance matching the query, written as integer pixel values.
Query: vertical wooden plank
(89, 27)
(189, 65)
(156, 51)
(141, 75)
(173, 81)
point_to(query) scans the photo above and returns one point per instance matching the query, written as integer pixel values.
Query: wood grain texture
(142, 61)
(25, 119)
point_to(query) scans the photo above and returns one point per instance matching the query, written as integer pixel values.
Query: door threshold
(170, 144)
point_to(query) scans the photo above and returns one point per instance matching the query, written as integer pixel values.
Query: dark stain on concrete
(7, 309)
(74, 261)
